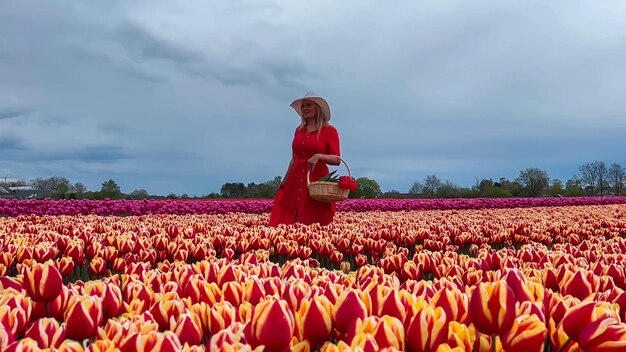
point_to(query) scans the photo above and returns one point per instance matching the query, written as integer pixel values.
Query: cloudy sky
(185, 96)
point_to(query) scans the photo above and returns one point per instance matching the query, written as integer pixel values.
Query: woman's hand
(313, 160)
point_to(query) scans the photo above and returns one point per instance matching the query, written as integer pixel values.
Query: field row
(513, 279)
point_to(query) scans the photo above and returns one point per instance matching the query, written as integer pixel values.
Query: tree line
(593, 179)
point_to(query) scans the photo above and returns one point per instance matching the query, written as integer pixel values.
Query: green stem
(493, 343)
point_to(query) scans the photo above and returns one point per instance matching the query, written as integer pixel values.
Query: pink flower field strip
(495, 279)
(10, 207)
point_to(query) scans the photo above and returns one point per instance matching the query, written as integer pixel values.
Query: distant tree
(392, 194)
(185, 196)
(416, 189)
(617, 178)
(139, 194)
(172, 195)
(573, 188)
(535, 181)
(233, 190)
(367, 188)
(61, 190)
(556, 188)
(431, 183)
(78, 188)
(448, 190)
(484, 185)
(512, 187)
(593, 175)
(56, 186)
(110, 189)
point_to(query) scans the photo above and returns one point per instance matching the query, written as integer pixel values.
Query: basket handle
(308, 172)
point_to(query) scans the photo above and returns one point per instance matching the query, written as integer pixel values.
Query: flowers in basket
(344, 182)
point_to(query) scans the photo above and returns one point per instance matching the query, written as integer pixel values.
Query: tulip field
(542, 274)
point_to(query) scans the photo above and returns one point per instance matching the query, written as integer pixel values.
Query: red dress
(292, 203)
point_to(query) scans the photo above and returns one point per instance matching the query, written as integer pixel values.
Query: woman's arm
(329, 159)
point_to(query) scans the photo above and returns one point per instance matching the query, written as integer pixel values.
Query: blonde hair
(319, 119)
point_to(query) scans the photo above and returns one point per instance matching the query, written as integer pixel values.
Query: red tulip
(272, 325)
(167, 306)
(42, 282)
(527, 334)
(47, 332)
(24, 345)
(97, 266)
(232, 292)
(315, 320)
(492, 308)
(578, 284)
(199, 290)
(454, 303)
(158, 341)
(65, 266)
(221, 315)
(427, 329)
(583, 319)
(83, 317)
(75, 250)
(253, 291)
(604, 335)
(350, 305)
(109, 293)
(459, 336)
(188, 328)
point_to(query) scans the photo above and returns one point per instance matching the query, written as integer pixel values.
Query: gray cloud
(11, 144)
(8, 113)
(185, 98)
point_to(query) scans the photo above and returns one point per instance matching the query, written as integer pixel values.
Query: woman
(315, 145)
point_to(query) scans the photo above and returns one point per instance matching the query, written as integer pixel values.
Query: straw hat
(296, 105)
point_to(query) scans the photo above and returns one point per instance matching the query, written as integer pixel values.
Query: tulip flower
(167, 306)
(65, 266)
(459, 336)
(587, 320)
(199, 290)
(103, 346)
(389, 332)
(97, 266)
(253, 291)
(47, 332)
(221, 315)
(109, 293)
(350, 305)
(604, 335)
(158, 341)
(492, 308)
(233, 292)
(24, 345)
(272, 325)
(527, 334)
(427, 329)
(454, 303)
(314, 320)
(295, 293)
(364, 342)
(42, 282)
(187, 327)
(392, 305)
(13, 320)
(75, 250)
(83, 317)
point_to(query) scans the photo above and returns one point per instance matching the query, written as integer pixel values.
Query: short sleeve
(332, 141)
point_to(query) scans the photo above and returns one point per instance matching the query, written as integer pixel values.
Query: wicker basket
(327, 192)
